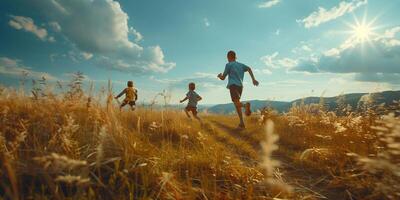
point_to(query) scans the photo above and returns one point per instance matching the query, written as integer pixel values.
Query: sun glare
(362, 32)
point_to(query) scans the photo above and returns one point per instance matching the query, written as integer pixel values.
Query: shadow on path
(240, 134)
(238, 147)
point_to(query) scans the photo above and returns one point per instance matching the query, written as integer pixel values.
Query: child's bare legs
(122, 105)
(133, 105)
(238, 106)
(195, 115)
(187, 113)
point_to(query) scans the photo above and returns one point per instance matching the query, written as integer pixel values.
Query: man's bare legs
(187, 114)
(239, 106)
(196, 117)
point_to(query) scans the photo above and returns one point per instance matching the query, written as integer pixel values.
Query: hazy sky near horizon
(297, 48)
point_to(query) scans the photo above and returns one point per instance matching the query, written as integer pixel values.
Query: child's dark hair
(231, 54)
(130, 83)
(192, 86)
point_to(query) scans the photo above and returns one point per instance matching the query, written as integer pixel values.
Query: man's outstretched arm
(183, 100)
(222, 76)
(255, 82)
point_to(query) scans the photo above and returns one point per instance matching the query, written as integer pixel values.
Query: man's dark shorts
(236, 92)
(191, 109)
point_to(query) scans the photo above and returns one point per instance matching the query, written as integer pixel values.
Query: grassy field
(76, 145)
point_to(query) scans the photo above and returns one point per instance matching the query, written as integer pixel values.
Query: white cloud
(51, 39)
(351, 42)
(203, 81)
(266, 71)
(268, 60)
(272, 61)
(323, 15)
(269, 4)
(55, 26)
(94, 26)
(289, 83)
(15, 68)
(206, 75)
(277, 32)
(391, 33)
(206, 22)
(53, 57)
(77, 56)
(151, 60)
(86, 56)
(303, 49)
(306, 48)
(376, 61)
(74, 55)
(137, 34)
(27, 24)
(349, 84)
(100, 28)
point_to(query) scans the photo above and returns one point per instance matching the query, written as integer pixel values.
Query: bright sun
(362, 32)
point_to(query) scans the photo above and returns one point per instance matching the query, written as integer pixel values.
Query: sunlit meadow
(318, 81)
(76, 144)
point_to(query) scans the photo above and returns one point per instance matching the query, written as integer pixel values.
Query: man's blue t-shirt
(235, 72)
(193, 98)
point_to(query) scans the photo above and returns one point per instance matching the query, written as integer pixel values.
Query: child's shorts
(191, 109)
(236, 92)
(131, 103)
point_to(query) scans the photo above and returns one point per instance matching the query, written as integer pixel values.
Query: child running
(131, 95)
(235, 72)
(193, 98)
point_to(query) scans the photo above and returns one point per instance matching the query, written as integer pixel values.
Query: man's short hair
(231, 54)
(192, 86)
(130, 83)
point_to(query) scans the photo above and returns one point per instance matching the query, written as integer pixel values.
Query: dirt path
(240, 148)
(307, 183)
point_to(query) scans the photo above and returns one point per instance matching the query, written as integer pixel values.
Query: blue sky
(297, 48)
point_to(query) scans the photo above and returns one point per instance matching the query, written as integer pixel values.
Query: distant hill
(281, 106)
(352, 99)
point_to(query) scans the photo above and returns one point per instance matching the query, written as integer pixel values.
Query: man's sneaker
(247, 109)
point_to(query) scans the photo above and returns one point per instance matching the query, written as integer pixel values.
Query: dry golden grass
(73, 145)
(59, 146)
